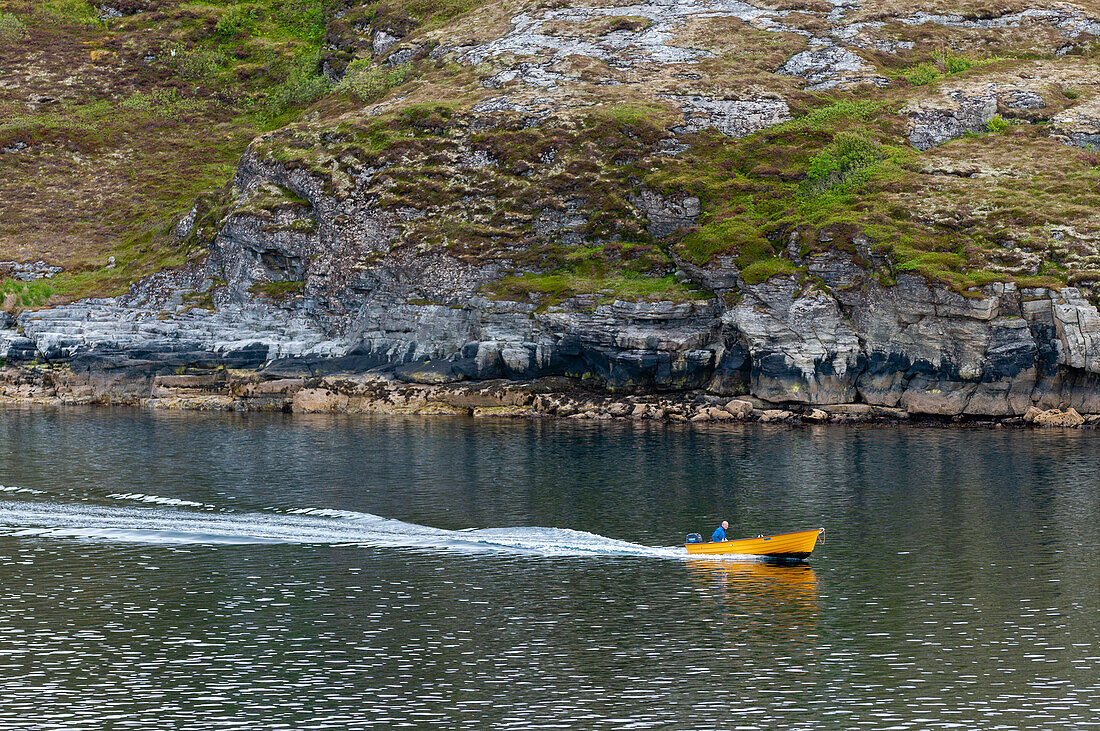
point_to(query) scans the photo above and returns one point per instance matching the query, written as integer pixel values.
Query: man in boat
(720, 532)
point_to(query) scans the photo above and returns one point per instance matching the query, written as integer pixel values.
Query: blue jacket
(718, 535)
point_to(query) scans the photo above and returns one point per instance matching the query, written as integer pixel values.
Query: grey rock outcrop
(1069, 22)
(1079, 126)
(1022, 99)
(532, 35)
(998, 351)
(733, 118)
(799, 343)
(826, 68)
(941, 119)
(666, 215)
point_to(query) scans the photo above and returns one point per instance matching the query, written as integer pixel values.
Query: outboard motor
(694, 538)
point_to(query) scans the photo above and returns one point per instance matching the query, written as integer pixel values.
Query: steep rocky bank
(663, 210)
(909, 346)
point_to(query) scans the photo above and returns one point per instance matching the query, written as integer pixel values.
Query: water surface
(276, 571)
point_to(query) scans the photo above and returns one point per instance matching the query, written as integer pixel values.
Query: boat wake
(170, 521)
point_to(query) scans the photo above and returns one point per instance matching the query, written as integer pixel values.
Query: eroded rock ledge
(838, 342)
(561, 398)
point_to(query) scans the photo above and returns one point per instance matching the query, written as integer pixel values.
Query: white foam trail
(306, 525)
(27, 490)
(324, 512)
(157, 499)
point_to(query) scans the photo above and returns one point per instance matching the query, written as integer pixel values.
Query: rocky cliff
(807, 204)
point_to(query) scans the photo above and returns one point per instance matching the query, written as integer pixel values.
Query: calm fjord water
(165, 570)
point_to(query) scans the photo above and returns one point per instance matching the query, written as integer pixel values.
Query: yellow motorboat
(796, 546)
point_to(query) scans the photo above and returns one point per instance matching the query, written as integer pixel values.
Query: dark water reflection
(957, 587)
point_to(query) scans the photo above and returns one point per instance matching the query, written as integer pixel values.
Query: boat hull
(789, 546)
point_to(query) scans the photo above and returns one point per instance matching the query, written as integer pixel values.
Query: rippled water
(267, 571)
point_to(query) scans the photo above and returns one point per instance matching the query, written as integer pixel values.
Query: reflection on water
(757, 585)
(271, 571)
(761, 604)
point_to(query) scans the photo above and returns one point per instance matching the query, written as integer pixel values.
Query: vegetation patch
(119, 125)
(143, 114)
(11, 27)
(762, 271)
(68, 11)
(848, 157)
(278, 290)
(162, 104)
(368, 83)
(943, 63)
(598, 26)
(836, 178)
(238, 20)
(18, 294)
(997, 124)
(424, 14)
(553, 288)
(921, 74)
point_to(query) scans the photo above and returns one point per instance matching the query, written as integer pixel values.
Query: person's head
(725, 525)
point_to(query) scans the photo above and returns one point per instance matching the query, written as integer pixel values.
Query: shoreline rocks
(554, 398)
(1054, 417)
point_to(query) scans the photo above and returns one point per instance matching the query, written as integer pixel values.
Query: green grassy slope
(122, 122)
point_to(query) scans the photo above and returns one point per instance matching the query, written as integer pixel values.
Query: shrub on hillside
(997, 124)
(238, 20)
(11, 26)
(848, 156)
(305, 83)
(368, 83)
(921, 74)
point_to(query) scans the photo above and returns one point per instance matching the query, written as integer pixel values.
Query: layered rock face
(846, 339)
(530, 229)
